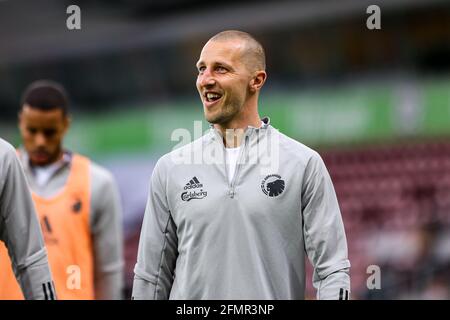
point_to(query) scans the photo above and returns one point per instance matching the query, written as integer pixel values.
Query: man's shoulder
(183, 153)
(8, 159)
(9, 164)
(100, 174)
(7, 151)
(295, 149)
(102, 183)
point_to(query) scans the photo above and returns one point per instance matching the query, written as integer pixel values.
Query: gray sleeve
(157, 252)
(20, 230)
(107, 235)
(325, 240)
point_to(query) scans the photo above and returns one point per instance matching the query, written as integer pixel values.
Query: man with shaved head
(241, 60)
(254, 55)
(239, 223)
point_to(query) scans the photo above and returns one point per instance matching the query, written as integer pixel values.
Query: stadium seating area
(390, 198)
(395, 202)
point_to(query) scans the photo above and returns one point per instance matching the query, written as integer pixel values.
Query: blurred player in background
(20, 231)
(77, 202)
(234, 229)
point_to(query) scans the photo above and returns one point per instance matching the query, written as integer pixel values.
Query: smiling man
(247, 235)
(76, 200)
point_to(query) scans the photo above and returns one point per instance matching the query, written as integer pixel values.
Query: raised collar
(248, 131)
(23, 154)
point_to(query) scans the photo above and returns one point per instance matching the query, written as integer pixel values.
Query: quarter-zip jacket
(204, 237)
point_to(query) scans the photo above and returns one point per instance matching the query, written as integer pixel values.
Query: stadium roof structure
(36, 30)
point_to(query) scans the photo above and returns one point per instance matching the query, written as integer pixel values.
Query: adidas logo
(193, 184)
(190, 195)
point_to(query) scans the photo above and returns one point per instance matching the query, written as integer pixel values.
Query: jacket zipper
(231, 191)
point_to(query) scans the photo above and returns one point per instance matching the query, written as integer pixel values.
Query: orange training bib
(65, 225)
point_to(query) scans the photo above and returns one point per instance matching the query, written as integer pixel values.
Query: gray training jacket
(20, 229)
(205, 238)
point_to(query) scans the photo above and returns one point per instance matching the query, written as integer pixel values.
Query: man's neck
(234, 132)
(58, 159)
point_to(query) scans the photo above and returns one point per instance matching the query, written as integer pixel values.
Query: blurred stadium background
(375, 103)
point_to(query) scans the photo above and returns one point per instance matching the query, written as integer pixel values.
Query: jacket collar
(248, 131)
(23, 154)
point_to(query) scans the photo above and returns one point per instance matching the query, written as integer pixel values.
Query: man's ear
(19, 118)
(258, 81)
(67, 122)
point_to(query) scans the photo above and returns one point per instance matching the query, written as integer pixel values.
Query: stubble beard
(227, 112)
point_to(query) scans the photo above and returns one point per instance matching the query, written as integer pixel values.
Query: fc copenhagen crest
(273, 185)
